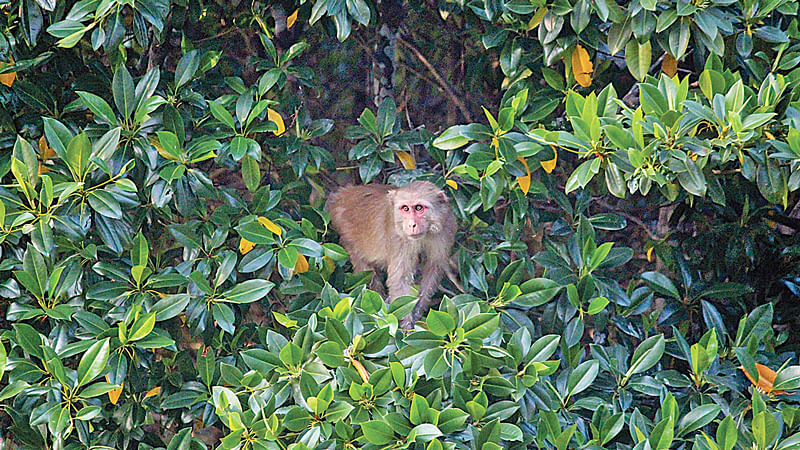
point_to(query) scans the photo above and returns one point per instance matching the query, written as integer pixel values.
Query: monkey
(387, 228)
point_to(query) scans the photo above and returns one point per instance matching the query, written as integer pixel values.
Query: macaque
(389, 228)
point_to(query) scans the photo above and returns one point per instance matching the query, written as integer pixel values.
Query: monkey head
(415, 209)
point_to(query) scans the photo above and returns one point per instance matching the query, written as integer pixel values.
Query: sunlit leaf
(275, 117)
(292, 19)
(524, 181)
(550, 164)
(245, 246)
(301, 266)
(270, 225)
(582, 67)
(406, 160)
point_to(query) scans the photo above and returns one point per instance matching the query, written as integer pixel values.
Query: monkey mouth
(415, 236)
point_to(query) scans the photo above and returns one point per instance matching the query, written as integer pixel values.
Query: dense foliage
(625, 178)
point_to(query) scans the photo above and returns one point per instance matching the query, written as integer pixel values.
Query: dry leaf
(43, 169)
(524, 181)
(292, 19)
(406, 160)
(273, 116)
(270, 225)
(153, 392)
(245, 246)
(582, 66)
(7, 78)
(766, 378)
(45, 151)
(452, 184)
(549, 165)
(669, 65)
(301, 266)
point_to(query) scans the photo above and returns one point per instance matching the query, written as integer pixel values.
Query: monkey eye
(418, 207)
(404, 207)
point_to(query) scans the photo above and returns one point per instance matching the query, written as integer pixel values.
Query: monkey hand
(407, 323)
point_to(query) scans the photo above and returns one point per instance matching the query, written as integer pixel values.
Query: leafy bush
(169, 279)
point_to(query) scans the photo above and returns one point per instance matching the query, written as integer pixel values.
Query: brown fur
(370, 225)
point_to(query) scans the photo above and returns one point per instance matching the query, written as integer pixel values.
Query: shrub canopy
(625, 178)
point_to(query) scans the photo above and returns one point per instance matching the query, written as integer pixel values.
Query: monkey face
(412, 215)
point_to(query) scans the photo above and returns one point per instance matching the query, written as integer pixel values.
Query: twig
(447, 89)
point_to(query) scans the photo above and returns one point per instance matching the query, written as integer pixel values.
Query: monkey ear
(442, 196)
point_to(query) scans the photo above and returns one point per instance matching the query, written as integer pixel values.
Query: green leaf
(582, 175)
(186, 68)
(597, 305)
(660, 284)
(536, 292)
(124, 95)
(661, 436)
(99, 107)
(788, 378)
(105, 204)
(93, 362)
(376, 432)
(638, 57)
(248, 291)
(77, 156)
(481, 326)
(727, 434)
(440, 323)
(646, 355)
(220, 113)
(142, 327)
(582, 377)
(698, 418)
(170, 306)
(451, 138)
(765, 428)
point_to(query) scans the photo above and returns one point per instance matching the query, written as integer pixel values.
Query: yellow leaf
(669, 65)
(7, 78)
(769, 135)
(452, 184)
(650, 254)
(274, 116)
(582, 66)
(537, 18)
(284, 319)
(292, 19)
(524, 181)
(153, 392)
(549, 165)
(406, 160)
(245, 246)
(270, 225)
(114, 394)
(301, 266)
(495, 143)
(45, 151)
(361, 370)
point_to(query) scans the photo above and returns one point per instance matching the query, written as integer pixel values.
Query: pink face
(414, 215)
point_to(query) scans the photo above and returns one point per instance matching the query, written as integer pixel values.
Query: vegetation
(625, 176)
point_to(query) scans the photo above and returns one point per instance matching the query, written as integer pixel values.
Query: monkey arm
(399, 276)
